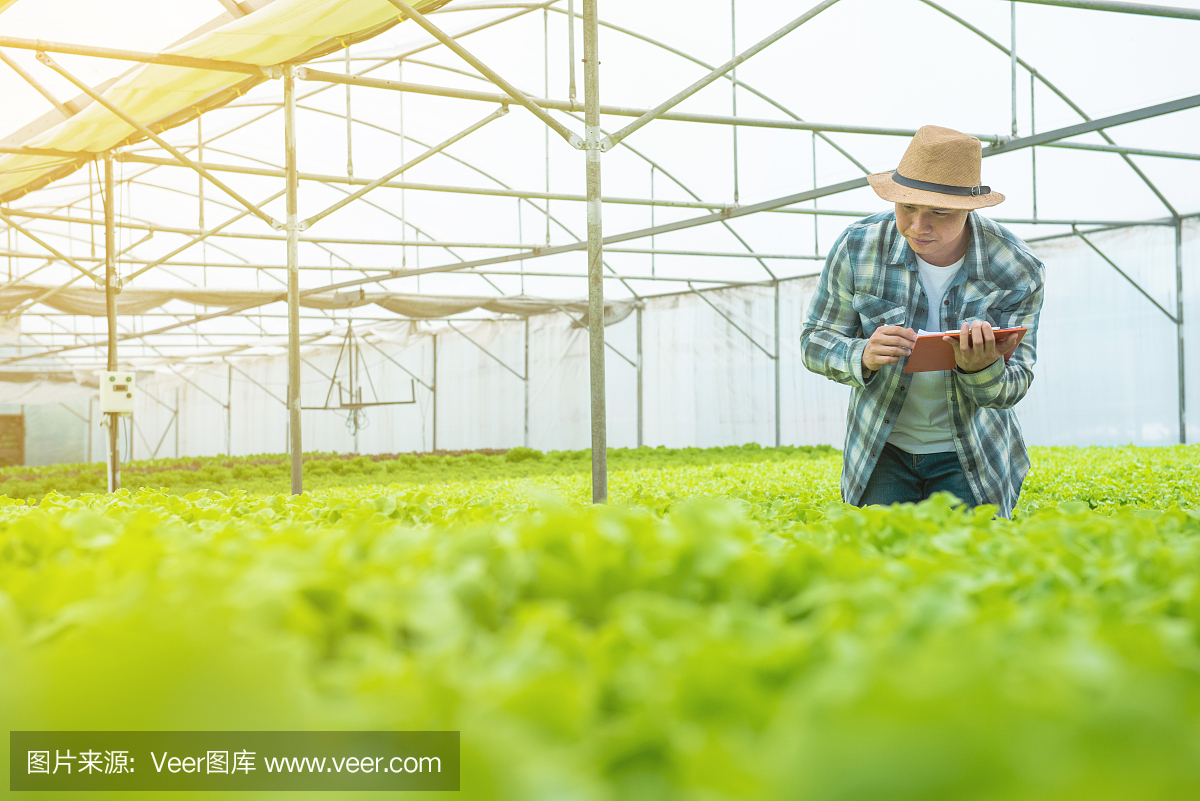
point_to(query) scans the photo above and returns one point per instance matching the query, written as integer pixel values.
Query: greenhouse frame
(188, 161)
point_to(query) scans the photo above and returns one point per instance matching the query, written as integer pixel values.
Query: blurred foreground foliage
(725, 629)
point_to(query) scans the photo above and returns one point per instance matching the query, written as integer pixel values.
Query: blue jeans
(903, 477)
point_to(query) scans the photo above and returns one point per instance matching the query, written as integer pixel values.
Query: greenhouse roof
(1087, 123)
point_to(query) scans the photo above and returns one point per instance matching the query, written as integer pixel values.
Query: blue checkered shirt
(871, 279)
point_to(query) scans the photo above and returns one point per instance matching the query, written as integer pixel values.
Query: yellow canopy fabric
(162, 96)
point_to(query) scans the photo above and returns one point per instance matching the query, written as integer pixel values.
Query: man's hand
(888, 345)
(977, 347)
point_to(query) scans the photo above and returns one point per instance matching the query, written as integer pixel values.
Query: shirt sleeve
(830, 342)
(1002, 384)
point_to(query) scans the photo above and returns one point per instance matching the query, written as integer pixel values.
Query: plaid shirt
(871, 279)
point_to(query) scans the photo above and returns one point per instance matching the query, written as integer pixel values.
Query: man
(934, 264)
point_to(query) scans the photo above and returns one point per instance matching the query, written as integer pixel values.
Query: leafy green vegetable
(724, 630)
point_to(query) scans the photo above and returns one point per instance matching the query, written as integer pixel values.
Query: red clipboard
(931, 353)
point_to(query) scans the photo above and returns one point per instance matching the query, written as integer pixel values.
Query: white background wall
(1106, 374)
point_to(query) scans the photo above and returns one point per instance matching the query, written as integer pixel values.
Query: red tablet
(931, 353)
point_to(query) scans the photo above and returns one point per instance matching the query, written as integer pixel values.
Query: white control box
(116, 392)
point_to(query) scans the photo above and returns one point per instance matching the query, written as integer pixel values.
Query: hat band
(945, 189)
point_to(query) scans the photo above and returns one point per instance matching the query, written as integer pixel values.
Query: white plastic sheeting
(1106, 373)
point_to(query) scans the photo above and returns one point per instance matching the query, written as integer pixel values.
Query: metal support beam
(1144, 9)
(1012, 58)
(595, 250)
(229, 414)
(1137, 115)
(495, 115)
(1126, 151)
(110, 304)
(659, 110)
(490, 74)
(526, 439)
(63, 257)
(293, 287)
(67, 108)
(1179, 331)
(133, 55)
(778, 351)
(203, 235)
(639, 375)
(307, 74)
(434, 390)
(158, 140)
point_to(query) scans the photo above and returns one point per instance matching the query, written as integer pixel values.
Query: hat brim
(889, 190)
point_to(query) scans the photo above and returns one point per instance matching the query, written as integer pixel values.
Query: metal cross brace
(57, 253)
(609, 141)
(411, 374)
(488, 352)
(512, 91)
(199, 238)
(735, 325)
(255, 382)
(1124, 275)
(199, 388)
(495, 115)
(583, 324)
(158, 140)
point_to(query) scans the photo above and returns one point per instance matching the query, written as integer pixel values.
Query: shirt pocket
(875, 311)
(996, 307)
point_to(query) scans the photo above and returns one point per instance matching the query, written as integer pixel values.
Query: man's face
(937, 235)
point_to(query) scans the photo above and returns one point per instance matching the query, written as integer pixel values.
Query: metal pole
(110, 306)
(349, 123)
(526, 382)
(733, 90)
(639, 377)
(1012, 57)
(1033, 150)
(778, 351)
(595, 247)
(1179, 329)
(571, 51)
(229, 415)
(293, 288)
(434, 390)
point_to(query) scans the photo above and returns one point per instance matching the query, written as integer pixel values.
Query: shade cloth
(163, 97)
(135, 300)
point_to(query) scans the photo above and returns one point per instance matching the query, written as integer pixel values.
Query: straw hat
(940, 168)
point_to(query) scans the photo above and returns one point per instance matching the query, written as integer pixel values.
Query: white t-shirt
(924, 423)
